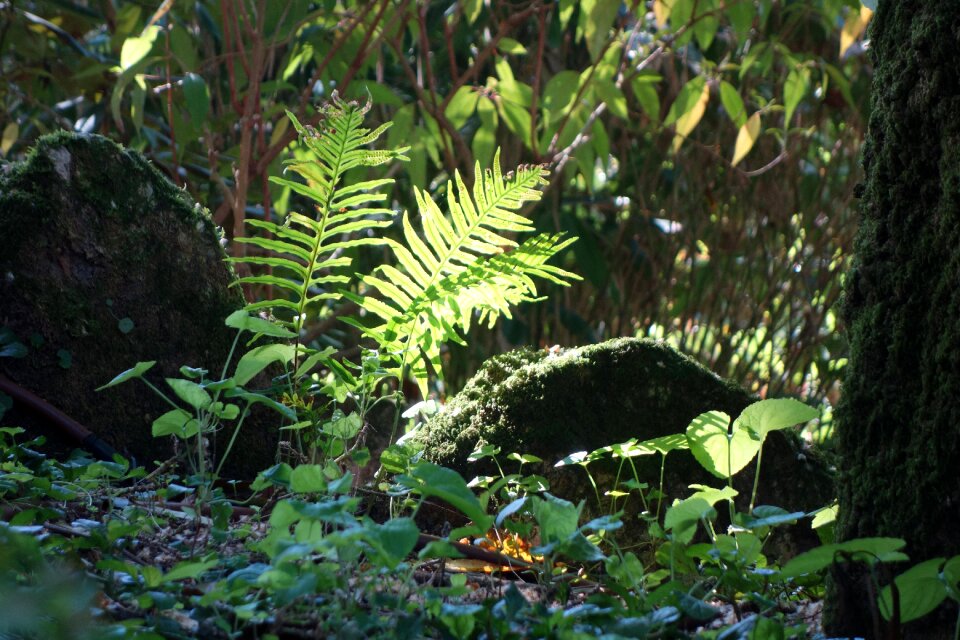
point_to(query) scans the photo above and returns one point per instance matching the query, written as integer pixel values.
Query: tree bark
(899, 419)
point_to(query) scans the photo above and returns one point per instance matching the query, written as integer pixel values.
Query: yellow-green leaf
(137, 48)
(854, 27)
(746, 138)
(10, 134)
(688, 109)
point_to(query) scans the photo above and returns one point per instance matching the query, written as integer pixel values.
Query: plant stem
(756, 480)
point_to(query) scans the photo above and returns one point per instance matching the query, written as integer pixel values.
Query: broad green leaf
(245, 322)
(719, 452)
(393, 540)
(136, 372)
(713, 495)
(793, 91)
(433, 481)
(921, 591)
(666, 444)
(198, 98)
(687, 110)
(344, 426)
(733, 104)
(746, 138)
(556, 517)
(951, 574)
(611, 94)
(683, 516)
(705, 28)
(647, 95)
(259, 358)
(773, 415)
(864, 549)
(137, 48)
(596, 19)
(769, 516)
(225, 411)
(190, 392)
(485, 138)
(462, 105)
(741, 15)
(511, 46)
(308, 478)
(257, 398)
(559, 92)
(185, 570)
(175, 423)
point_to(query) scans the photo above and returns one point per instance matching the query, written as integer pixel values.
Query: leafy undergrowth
(92, 549)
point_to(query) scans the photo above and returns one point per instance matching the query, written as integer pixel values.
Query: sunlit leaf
(920, 589)
(746, 138)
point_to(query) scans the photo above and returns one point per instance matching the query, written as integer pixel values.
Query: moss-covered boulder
(552, 404)
(104, 263)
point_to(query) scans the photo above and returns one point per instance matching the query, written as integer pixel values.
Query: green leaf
(559, 92)
(511, 46)
(687, 110)
(308, 478)
(683, 516)
(190, 392)
(344, 426)
(137, 48)
(198, 98)
(136, 372)
(175, 423)
(556, 517)
(596, 19)
(611, 94)
(245, 322)
(257, 398)
(746, 138)
(393, 540)
(189, 570)
(864, 549)
(665, 444)
(719, 452)
(773, 415)
(259, 358)
(462, 106)
(645, 90)
(432, 481)
(733, 104)
(793, 91)
(921, 591)
(769, 516)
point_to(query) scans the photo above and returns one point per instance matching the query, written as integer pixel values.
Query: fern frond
(301, 250)
(460, 267)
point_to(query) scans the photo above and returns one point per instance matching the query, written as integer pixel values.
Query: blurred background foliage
(704, 151)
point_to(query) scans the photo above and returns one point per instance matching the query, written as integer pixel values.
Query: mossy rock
(105, 263)
(552, 404)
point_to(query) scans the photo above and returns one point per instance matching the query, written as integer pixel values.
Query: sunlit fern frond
(306, 253)
(463, 266)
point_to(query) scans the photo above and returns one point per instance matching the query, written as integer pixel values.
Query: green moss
(897, 423)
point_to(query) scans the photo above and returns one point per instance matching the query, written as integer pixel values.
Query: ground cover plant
(97, 549)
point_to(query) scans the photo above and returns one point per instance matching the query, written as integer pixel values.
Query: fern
(460, 267)
(309, 252)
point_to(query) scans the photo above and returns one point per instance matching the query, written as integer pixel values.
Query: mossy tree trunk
(899, 423)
